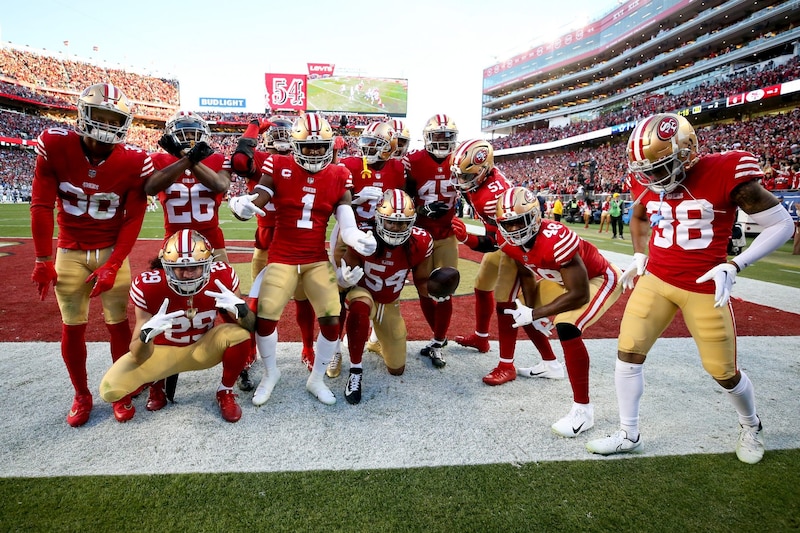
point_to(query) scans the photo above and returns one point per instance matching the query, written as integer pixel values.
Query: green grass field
(683, 493)
(329, 94)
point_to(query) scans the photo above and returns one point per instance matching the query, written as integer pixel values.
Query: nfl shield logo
(92, 173)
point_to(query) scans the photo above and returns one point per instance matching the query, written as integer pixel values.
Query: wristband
(143, 334)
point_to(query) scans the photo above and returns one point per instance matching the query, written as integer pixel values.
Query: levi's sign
(223, 102)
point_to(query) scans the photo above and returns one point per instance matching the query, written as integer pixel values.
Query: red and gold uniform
(391, 175)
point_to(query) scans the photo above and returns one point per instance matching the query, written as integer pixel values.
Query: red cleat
(474, 341)
(228, 407)
(124, 409)
(157, 399)
(307, 358)
(502, 374)
(81, 409)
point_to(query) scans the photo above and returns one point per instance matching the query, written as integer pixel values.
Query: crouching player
(175, 324)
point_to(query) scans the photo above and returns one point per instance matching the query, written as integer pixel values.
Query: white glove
(159, 322)
(636, 268)
(226, 299)
(348, 277)
(724, 276)
(523, 315)
(440, 300)
(363, 243)
(244, 208)
(544, 325)
(369, 193)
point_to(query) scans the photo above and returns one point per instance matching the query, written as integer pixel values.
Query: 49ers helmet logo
(667, 128)
(480, 156)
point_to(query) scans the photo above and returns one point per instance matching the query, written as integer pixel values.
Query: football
(443, 282)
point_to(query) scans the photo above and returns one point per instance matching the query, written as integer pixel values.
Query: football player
(97, 183)
(306, 190)
(576, 285)
(375, 283)
(176, 305)
(684, 210)
(402, 138)
(428, 184)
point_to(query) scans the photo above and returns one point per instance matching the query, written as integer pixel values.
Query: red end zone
(23, 318)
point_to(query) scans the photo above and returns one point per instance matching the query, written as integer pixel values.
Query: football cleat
(81, 409)
(544, 369)
(504, 373)
(435, 351)
(245, 383)
(352, 391)
(265, 387)
(615, 443)
(579, 419)
(335, 366)
(750, 446)
(319, 390)
(307, 358)
(228, 407)
(474, 341)
(156, 399)
(375, 347)
(123, 409)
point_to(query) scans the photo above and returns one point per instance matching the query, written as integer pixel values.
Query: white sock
(742, 396)
(223, 387)
(325, 351)
(373, 338)
(267, 347)
(629, 382)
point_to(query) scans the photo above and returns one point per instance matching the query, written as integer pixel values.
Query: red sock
(343, 322)
(428, 307)
(576, 358)
(444, 312)
(305, 320)
(484, 306)
(541, 342)
(73, 351)
(120, 339)
(357, 330)
(507, 334)
(233, 362)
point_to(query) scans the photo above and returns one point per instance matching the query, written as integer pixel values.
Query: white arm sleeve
(778, 228)
(346, 218)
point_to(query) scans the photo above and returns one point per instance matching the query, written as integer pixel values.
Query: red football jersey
(484, 199)
(188, 204)
(304, 202)
(696, 219)
(391, 176)
(93, 200)
(150, 288)
(385, 273)
(429, 181)
(554, 247)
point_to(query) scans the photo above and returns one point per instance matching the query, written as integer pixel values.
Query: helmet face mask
(402, 137)
(104, 113)
(188, 128)
(660, 151)
(279, 135)
(377, 142)
(312, 142)
(471, 164)
(187, 249)
(518, 215)
(440, 135)
(394, 217)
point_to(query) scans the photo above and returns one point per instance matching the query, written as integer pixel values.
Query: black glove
(199, 152)
(434, 209)
(242, 158)
(171, 145)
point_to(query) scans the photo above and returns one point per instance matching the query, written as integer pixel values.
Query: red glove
(339, 143)
(43, 274)
(256, 127)
(103, 278)
(460, 231)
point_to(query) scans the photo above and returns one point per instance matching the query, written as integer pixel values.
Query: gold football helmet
(104, 113)
(471, 164)
(661, 149)
(277, 136)
(518, 215)
(312, 142)
(440, 135)
(402, 137)
(186, 249)
(377, 142)
(394, 217)
(189, 128)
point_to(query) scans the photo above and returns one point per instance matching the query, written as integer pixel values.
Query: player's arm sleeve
(43, 199)
(778, 228)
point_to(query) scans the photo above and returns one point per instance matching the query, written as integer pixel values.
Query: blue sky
(223, 49)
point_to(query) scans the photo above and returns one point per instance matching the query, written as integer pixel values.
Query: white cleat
(545, 369)
(265, 387)
(750, 446)
(579, 419)
(320, 391)
(615, 443)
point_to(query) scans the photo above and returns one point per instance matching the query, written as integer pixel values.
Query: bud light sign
(223, 102)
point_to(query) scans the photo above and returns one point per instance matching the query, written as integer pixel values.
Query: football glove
(724, 276)
(435, 209)
(461, 233)
(636, 268)
(263, 124)
(523, 315)
(103, 278)
(439, 299)
(244, 208)
(227, 300)
(199, 152)
(368, 194)
(170, 143)
(44, 273)
(348, 277)
(159, 322)
(362, 242)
